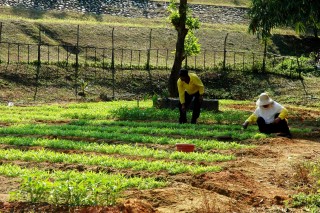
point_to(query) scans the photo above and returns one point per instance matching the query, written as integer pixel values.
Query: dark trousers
(196, 108)
(282, 126)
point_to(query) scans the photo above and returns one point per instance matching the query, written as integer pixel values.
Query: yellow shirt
(194, 86)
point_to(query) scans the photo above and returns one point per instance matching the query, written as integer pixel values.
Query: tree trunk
(179, 54)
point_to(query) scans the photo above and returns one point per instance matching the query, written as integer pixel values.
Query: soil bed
(259, 180)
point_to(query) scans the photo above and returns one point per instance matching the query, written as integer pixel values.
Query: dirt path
(258, 181)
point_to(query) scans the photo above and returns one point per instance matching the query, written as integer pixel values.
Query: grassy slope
(23, 26)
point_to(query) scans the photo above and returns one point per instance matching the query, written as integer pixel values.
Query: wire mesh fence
(136, 59)
(67, 63)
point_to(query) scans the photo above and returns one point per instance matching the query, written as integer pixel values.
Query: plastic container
(184, 147)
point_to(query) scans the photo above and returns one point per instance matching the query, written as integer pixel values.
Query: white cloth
(268, 113)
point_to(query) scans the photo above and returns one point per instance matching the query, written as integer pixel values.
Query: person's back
(190, 87)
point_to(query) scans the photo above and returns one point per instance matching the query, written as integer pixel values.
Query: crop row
(72, 187)
(164, 128)
(114, 149)
(55, 112)
(138, 113)
(107, 161)
(235, 134)
(132, 138)
(127, 110)
(201, 130)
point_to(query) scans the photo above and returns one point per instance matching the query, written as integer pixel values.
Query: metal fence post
(77, 62)
(204, 60)
(121, 57)
(0, 39)
(112, 52)
(112, 66)
(0, 32)
(48, 54)
(225, 51)
(18, 53)
(167, 55)
(38, 65)
(148, 51)
(243, 61)
(8, 61)
(58, 53)
(253, 58)
(28, 53)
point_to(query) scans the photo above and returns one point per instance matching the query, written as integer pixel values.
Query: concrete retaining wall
(172, 103)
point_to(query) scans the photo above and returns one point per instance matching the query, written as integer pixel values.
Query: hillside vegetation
(21, 25)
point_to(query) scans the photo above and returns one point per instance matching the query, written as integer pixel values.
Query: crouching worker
(270, 117)
(190, 87)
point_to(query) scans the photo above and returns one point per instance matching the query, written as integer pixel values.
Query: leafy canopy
(191, 45)
(267, 14)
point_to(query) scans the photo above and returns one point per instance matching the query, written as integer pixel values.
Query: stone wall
(134, 9)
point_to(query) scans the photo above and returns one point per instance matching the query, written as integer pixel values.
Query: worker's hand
(183, 107)
(277, 120)
(245, 125)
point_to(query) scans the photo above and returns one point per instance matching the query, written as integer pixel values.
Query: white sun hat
(264, 99)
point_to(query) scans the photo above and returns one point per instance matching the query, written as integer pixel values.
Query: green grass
(129, 33)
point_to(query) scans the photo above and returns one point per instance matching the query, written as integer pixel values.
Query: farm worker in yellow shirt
(270, 117)
(190, 88)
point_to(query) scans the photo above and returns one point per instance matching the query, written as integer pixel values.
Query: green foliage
(174, 15)
(136, 135)
(108, 161)
(115, 149)
(72, 188)
(34, 189)
(266, 15)
(136, 113)
(154, 100)
(191, 44)
(311, 201)
(263, 17)
(295, 65)
(259, 135)
(83, 87)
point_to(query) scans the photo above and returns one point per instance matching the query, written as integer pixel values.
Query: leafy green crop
(72, 187)
(115, 149)
(87, 132)
(107, 161)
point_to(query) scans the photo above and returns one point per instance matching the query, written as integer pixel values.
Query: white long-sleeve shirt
(268, 113)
